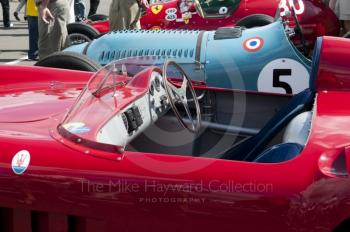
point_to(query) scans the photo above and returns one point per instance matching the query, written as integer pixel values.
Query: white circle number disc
(284, 76)
(171, 11)
(223, 10)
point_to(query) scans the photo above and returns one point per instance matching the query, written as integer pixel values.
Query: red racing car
(138, 147)
(316, 18)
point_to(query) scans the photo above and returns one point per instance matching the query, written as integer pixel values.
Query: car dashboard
(137, 116)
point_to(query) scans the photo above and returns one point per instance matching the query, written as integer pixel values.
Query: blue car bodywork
(260, 59)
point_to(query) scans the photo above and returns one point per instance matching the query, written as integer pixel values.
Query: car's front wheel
(69, 60)
(78, 38)
(81, 32)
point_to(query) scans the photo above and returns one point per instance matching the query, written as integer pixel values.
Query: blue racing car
(261, 59)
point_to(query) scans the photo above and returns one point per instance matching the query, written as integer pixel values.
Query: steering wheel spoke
(184, 85)
(179, 95)
(188, 112)
(175, 92)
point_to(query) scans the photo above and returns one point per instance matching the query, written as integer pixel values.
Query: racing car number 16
(286, 6)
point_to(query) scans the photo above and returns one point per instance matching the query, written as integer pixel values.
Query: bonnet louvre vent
(108, 56)
(177, 44)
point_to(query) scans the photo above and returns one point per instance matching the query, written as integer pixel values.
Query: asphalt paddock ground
(14, 41)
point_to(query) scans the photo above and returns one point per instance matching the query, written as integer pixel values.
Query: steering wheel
(299, 31)
(179, 95)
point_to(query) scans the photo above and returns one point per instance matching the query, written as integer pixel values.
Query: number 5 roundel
(284, 76)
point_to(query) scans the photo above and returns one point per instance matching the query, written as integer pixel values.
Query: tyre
(98, 17)
(69, 60)
(256, 20)
(77, 38)
(82, 29)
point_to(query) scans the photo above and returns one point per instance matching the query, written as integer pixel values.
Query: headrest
(298, 129)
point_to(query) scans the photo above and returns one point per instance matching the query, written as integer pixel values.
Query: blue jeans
(93, 6)
(33, 36)
(6, 12)
(79, 9)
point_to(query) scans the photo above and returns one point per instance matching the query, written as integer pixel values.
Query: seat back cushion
(251, 148)
(298, 129)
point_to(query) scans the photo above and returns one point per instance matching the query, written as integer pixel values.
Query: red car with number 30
(316, 18)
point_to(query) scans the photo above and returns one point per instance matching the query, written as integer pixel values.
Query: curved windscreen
(107, 93)
(216, 8)
(103, 96)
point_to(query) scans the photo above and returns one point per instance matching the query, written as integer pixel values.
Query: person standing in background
(18, 9)
(93, 7)
(79, 10)
(53, 35)
(125, 14)
(342, 10)
(32, 18)
(71, 18)
(332, 5)
(6, 13)
(326, 2)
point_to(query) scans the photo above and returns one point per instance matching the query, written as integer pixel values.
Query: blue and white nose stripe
(253, 44)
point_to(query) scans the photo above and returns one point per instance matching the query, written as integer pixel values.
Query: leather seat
(251, 148)
(294, 139)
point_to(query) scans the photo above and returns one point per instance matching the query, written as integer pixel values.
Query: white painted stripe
(17, 61)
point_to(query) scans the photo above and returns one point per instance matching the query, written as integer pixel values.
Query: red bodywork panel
(316, 18)
(65, 187)
(334, 65)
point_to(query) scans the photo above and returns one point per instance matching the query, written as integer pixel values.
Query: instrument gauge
(157, 83)
(151, 88)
